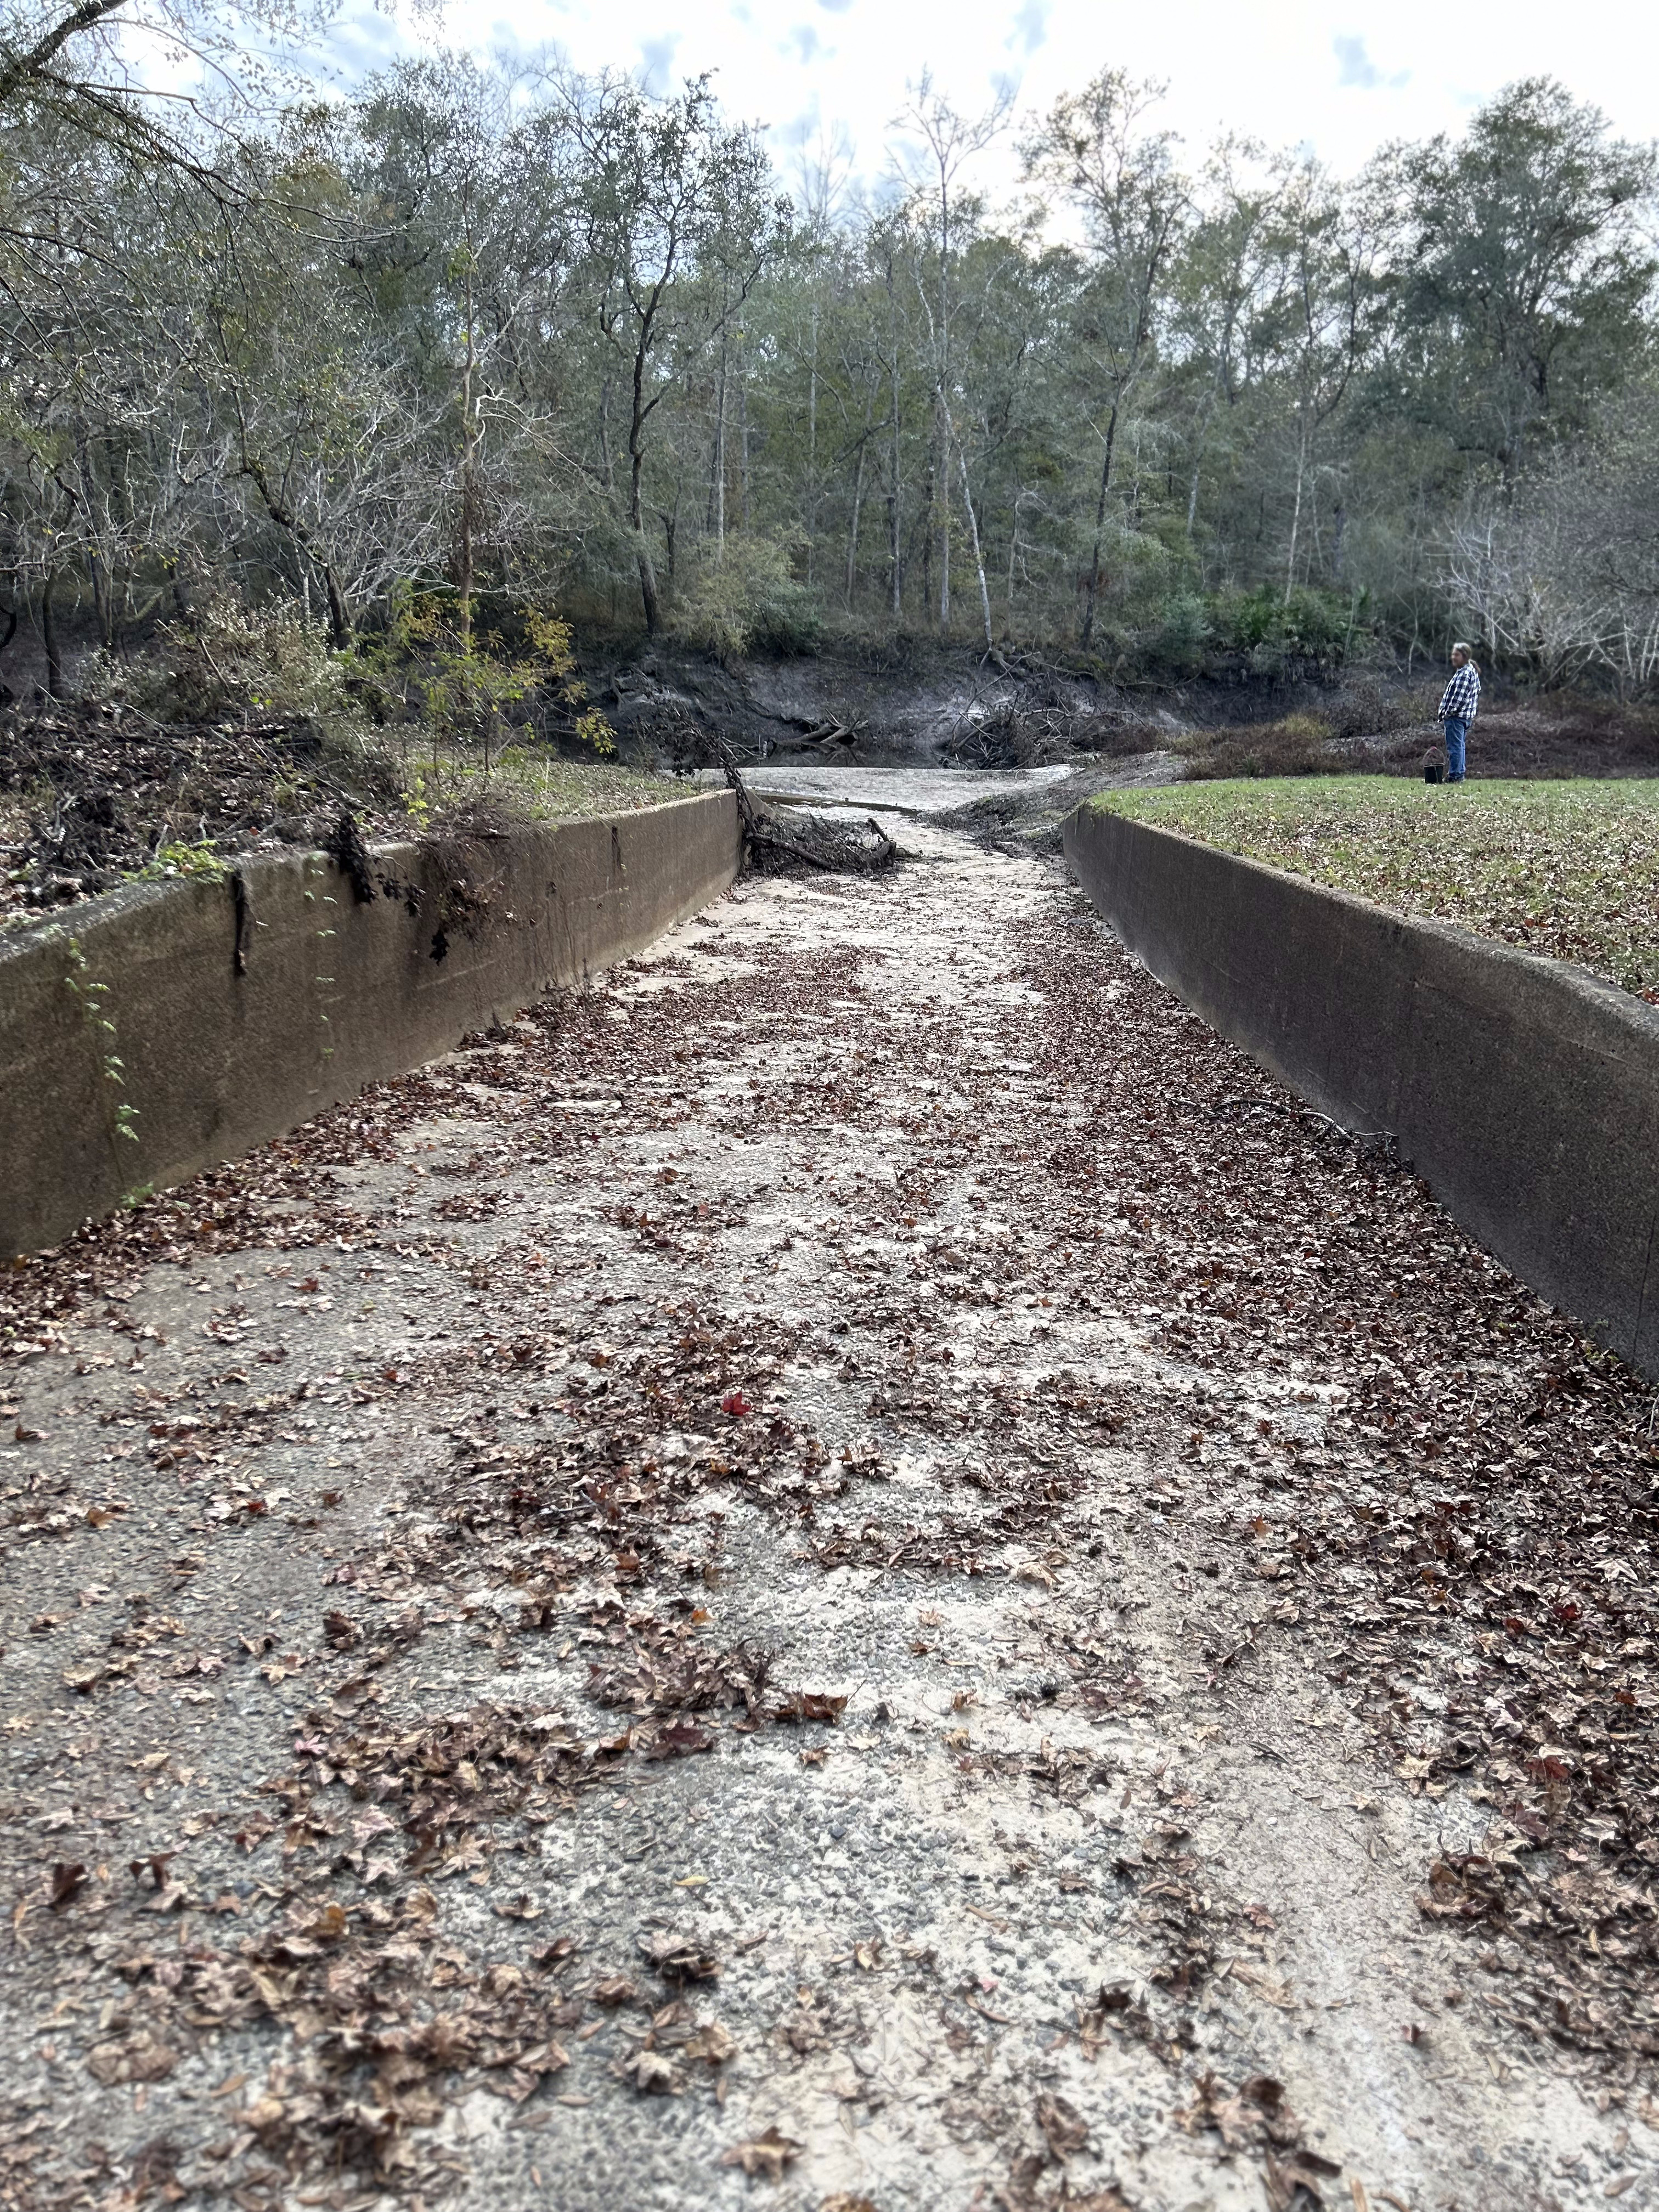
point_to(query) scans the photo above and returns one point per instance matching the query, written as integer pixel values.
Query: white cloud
(657, 62)
(1278, 73)
(1358, 68)
(1031, 26)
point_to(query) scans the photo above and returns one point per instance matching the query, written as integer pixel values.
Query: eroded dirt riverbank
(861, 1571)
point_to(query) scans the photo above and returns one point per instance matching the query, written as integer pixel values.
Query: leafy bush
(232, 663)
(200, 859)
(458, 679)
(1308, 632)
(1176, 647)
(745, 599)
(1297, 746)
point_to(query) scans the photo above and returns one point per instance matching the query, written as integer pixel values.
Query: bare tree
(1122, 178)
(949, 141)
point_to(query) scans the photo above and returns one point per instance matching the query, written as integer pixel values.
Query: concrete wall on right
(1524, 1091)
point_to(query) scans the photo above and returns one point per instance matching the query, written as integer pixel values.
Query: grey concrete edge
(163, 1029)
(1524, 1091)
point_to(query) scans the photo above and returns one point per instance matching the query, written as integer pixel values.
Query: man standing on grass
(1460, 702)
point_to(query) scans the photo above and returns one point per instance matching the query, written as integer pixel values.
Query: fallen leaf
(711, 2043)
(651, 2073)
(808, 1706)
(520, 1907)
(67, 1883)
(141, 2057)
(1063, 2125)
(676, 1960)
(676, 1740)
(764, 2156)
(1295, 2174)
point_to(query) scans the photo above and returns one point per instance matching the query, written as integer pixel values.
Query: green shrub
(1310, 630)
(248, 664)
(744, 598)
(1176, 647)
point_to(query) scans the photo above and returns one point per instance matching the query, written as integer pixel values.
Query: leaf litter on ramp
(764, 2156)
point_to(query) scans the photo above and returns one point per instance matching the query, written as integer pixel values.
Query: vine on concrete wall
(93, 998)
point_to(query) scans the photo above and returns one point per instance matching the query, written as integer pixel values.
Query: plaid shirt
(1461, 700)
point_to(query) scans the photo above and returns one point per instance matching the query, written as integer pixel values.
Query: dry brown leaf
(1063, 2126)
(68, 1881)
(650, 2072)
(764, 2156)
(141, 2057)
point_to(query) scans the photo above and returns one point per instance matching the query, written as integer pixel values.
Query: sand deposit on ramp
(859, 1571)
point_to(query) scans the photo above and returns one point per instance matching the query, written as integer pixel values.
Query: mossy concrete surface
(219, 1014)
(1525, 1091)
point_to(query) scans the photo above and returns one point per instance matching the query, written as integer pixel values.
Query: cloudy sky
(1337, 75)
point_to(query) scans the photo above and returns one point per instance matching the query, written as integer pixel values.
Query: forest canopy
(490, 330)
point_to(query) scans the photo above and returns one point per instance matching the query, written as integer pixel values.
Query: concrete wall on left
(239, 1010)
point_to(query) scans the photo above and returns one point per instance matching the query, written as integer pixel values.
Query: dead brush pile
(796, 841)
(92, 793)
(1049, 731)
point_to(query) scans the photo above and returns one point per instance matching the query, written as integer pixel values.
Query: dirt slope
(861, 1571)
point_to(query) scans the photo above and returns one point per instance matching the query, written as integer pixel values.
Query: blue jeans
(1455, 734)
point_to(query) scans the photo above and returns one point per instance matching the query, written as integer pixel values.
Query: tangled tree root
(789, 842)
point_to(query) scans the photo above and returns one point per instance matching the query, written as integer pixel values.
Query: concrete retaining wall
(239, 1010)
(1524, 1091)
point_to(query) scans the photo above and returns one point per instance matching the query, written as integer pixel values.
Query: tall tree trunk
(812, 447)
(1295, 511)
(464, 556)
(717, 481)
(852, 532)
(979, 557)
(742, 433)
(49, 637)
(895, 517)
(927, 544)
(102, 607)
(650, 596)
(944, 405)
(941, 481)
(1093, 597)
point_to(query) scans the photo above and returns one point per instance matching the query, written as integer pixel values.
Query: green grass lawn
(1570, 870)
(532, 786)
